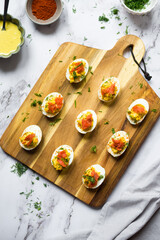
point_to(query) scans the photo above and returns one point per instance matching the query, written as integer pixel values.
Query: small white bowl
(147, 9)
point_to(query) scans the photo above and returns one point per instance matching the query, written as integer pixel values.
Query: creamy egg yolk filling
(53, 104)
(91, 177)
(29, 139)
(108, 90)
(61, 160)
(137, 112)
(85, 122)
(76, 70)
(117, 144)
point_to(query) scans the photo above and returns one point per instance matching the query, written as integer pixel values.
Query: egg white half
(68, 148)
(117, 135)
(94, 121)
(99, 169)
(141, 101)
(79, 79)
(50, 115)
(117, 84)
(34, 129)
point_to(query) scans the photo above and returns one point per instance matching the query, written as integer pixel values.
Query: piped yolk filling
(108, 90)
(91, 177)
(53, 104)
(29, 139)
(61, 160)
(76, 70)
(137, 112)
(118, 144)
(85, 122)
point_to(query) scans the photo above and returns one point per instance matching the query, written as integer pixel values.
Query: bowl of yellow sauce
(12, 38)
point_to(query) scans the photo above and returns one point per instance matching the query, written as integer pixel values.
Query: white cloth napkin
(123, 217)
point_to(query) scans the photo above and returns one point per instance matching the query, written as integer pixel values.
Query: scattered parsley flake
(45, 185)
(114, 11)
(131, 87)
(24, 119)
(80, 93)
(103, 27)
(89, 90)
(60, 61)
(154, 110)
(68, 93)
(85, 39)
(113, 130)
(93, 149)
(126, 31)
(34, 103)
(27, 194)
(39, 103)
(29, 36)
(100, 111)
(106, 123)
(37, 178)
(74, 57)
(29, 85)
(55, 121)
(37, 205)
(74, 9)
(7, 116)
(75, 103)
(19, 169)
(120, 24)
(38, 94)
(118, 33)
(103, 18)
(140, 85)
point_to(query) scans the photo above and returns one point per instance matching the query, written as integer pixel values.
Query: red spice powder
(44, 9)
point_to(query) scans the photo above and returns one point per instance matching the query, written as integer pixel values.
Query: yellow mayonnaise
(9, 38)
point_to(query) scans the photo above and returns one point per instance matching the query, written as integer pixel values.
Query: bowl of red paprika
(44, 12)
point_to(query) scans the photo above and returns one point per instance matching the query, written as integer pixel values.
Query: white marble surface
(61, 213)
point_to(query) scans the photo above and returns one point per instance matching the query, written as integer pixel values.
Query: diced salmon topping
(109, 90)
(51, 107)
(79, 67)
(86, 123)
(29, 138)
(62, 154)
(61, 162)
(138, 109)
(118, 144)
(59, 102)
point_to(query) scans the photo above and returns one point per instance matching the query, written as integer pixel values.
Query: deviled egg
(94, 176)
(109, 89)
(86, 121)
(52, 104)
(118, 143)
(62, 157)
(77, 70)
(137, 111)
(31, 137)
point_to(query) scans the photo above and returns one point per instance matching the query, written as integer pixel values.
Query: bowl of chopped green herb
(139, 7)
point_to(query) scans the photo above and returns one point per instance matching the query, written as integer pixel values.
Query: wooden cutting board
(104, 64)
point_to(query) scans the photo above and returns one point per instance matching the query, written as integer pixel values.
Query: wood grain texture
(104, 64)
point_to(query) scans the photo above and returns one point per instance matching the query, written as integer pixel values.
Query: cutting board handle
(131, 40)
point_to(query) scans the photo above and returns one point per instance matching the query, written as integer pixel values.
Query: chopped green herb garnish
(103, 18)
(29, 85)
(7, 116)
(45, 185)
(39, 103)
(103, 27)
(89, 90)
(118, 33)
(131, 87)
(27, 194)
(37, 205)
(37, 178)
(114, 11)
(80, 93)
(93, 149)
(34, 103)
(24, 119)
(29, 36)
(100, 177)
(55, 121)
(120, 24)
(32, 183)
(60, 61)
(126, 31)
(85, 39)
(74, 9)
(106, 123)
(132, 93)
(68, 93)
(154, 110)
(113, 130)
(74, 57)
(140, 84)
(136, 4)
(99, 111)
(19, 169)
(75, 103)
